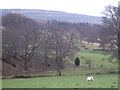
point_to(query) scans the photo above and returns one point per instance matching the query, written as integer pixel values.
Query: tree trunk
(46, 59)
(58, 65)
(118, 31)
(119, 45)
(59, 73)
(25, 66)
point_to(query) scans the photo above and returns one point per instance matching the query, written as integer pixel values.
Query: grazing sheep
(90, 78)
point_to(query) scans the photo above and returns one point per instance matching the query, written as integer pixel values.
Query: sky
(88, 7)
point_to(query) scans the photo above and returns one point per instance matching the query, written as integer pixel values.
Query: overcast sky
(88, 7)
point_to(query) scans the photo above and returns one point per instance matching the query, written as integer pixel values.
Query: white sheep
(90, 78)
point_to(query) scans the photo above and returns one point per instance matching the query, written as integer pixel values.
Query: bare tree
(58, 52)
(111, 28)
(46, 45)
(24, 37)
(30, 38)
(62, 44)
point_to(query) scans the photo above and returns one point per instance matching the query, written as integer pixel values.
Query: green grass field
(101, 81)
(99, 61)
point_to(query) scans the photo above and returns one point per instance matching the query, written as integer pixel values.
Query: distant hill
(54, 15)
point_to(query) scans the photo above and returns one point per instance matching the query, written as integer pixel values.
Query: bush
(77, 61)
(89, 63)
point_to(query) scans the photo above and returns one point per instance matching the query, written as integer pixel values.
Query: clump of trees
(23, 37)
(50, 42)
(20, 36)
(77, 61)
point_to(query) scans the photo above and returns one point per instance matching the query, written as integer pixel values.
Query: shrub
(77, 61)
(89, 63)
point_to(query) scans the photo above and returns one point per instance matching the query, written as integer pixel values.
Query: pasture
(101, 81)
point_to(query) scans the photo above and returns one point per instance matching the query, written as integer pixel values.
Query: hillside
(54, 15)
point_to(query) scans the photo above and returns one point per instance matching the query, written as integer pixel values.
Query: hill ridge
(55, 15)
